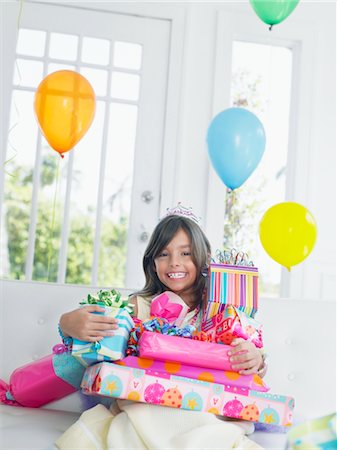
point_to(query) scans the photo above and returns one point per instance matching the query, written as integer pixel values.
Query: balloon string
(10, 131)
(52, 224)
(20, 14)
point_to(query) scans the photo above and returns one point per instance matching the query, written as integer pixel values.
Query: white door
(113, 174)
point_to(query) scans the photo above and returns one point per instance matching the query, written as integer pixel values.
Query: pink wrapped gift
(43, 381)
(152, 367)
(112, 380)
(190, 351)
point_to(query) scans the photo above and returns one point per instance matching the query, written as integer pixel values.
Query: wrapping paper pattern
(189, 351)
(232, 323)
(152, 366)
(232, 285)
(43, 381)
(110, 348)
(113, 380)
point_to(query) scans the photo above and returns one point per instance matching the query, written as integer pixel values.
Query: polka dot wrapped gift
(166, 389)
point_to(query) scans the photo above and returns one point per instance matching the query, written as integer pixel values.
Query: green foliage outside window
(48, 234)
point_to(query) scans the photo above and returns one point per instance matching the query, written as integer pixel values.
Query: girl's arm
(85, 326)
(246, 359)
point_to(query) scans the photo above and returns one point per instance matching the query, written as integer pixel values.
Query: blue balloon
(236, 141)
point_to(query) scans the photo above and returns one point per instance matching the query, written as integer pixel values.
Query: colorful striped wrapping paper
(110, 348)
(231, 285)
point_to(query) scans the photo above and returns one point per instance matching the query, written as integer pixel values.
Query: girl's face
(175, 267)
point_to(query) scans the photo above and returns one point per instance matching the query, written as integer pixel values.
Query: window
(69, 220)
(269, 74)
(261, 82)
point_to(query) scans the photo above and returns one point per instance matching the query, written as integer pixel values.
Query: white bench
(299, 337)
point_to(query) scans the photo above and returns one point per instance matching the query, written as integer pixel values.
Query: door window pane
(31, 42)
(18, 182)
(125, 86)
(50, 210)
(95, 51)
(97, 78)
(63, 46)
(261, 83)
(127, 55)
(83, 205)
(117, 193)
(28, 73)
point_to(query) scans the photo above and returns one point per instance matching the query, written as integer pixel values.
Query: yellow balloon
(65, 107)
(288, 233)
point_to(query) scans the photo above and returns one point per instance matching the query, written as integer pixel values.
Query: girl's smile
(176, 275)
(175, 267)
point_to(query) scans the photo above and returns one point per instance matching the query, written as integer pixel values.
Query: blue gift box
(110, 348)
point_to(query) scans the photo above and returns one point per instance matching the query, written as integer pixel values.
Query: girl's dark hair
(161, 236)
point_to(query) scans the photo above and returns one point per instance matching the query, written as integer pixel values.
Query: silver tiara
(183, 211)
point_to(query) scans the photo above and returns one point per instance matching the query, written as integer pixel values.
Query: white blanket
(143, 427)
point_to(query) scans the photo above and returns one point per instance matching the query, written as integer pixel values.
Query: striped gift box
(110, 348)
(231, 285)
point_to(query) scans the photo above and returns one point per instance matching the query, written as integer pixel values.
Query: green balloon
(273, 12)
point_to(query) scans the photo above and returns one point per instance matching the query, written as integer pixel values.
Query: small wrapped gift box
(43, 381)
(231, 285)
(110, 348)
(113, 380)
(152, 366)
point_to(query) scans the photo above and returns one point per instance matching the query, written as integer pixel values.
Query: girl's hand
(245, 358)
(83, 325)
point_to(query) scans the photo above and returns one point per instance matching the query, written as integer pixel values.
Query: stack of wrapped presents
(166, 360)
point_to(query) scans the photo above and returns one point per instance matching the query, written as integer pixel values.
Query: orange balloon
(65, 107)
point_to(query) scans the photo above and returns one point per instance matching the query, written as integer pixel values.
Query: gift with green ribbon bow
(110, 348)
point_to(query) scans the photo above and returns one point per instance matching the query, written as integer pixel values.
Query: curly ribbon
(156, 325)
(112, 299)
(233, 258)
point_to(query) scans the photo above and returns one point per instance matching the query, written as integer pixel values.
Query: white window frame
(176, 16)
(299, 38)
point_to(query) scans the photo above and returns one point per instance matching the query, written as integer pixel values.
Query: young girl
(175, 260)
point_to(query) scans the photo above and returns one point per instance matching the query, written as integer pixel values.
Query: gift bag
(231, 285)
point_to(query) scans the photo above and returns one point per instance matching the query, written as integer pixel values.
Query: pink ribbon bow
(169, 306)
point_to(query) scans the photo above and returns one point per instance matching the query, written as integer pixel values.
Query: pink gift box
(190, 351)
(113, 380)
(152, 366)
(42, 381)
